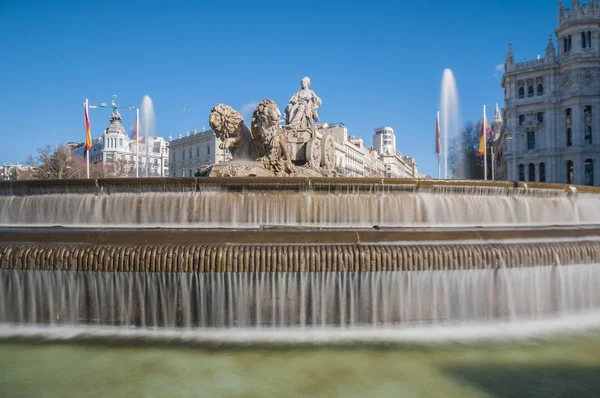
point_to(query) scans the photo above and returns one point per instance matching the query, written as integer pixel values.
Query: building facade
(551, 117)
(119, 154)
(193, 151)
(16, 172)
(356, 159)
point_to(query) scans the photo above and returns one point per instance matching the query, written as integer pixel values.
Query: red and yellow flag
(485, 131)
(88, 134)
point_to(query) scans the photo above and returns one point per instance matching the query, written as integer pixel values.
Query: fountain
(149, 127)
(273, 240)
(449, 111)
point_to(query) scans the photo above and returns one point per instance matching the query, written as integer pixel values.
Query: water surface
(112, 368)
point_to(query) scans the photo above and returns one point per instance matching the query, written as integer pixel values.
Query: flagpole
(87, 158)
(484, 132)
(439, 154)
(137, 142)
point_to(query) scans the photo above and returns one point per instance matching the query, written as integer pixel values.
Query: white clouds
(498, 70)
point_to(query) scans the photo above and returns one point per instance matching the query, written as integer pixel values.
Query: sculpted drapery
(301, 111)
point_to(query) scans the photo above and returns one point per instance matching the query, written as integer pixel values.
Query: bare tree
(57, 162)
(120, 167)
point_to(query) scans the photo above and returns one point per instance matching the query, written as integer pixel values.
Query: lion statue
(268, 135)
(230, 128)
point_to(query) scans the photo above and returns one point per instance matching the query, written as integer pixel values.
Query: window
(587, 113)
(530, 140)
(589, 172)
(540, 89)
(183, 156)
(586, 39)
(521, 119)
(567, 44)
(568, 116)
(540, 117)
(521, 172)
(190, 153)
(530, 91)
(569, 172)
(198, 152)
(587, 139)
(542, 172)
(521, 92)
(531, 172)
(208, 149)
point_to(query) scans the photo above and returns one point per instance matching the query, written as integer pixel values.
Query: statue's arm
(316, 100)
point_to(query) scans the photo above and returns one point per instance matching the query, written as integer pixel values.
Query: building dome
(115, 127)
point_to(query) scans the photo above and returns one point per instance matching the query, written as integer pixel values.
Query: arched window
(570, 172)
(521, 92)
(589, 172)
(540, 89)
(530, 91)
(521, 172)
(531, 172)
(542, 172)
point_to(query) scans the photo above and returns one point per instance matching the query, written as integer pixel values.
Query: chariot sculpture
(279, 147)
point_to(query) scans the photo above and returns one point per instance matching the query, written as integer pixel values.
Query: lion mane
(225, 121)
(267, 133)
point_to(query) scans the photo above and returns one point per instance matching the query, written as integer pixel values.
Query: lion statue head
(225, 121)
(266, 126)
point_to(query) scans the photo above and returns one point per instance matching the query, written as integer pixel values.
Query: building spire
(550, 50)
(510, 58)
(497, 116)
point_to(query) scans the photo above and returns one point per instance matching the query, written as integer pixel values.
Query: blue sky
(373, 63)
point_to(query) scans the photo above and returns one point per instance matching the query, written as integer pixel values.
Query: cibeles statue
(268, 147)
(301, 111)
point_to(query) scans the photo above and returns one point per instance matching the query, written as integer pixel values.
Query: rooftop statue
(301, 111)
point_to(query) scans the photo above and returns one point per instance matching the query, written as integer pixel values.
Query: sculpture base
(261, 169)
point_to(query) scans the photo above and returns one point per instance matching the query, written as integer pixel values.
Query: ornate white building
(552, 106)
(118, 153)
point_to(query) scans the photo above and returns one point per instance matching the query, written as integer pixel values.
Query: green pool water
(569, 367)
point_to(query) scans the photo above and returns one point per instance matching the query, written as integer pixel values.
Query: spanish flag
(88, 134)
(485, 131)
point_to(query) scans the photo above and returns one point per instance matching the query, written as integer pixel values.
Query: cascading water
(284, 300)
(320, 209)
(449, 113)
(148, 123)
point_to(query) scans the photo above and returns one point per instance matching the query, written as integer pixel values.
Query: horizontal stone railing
(141, 185)
(291, 258)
